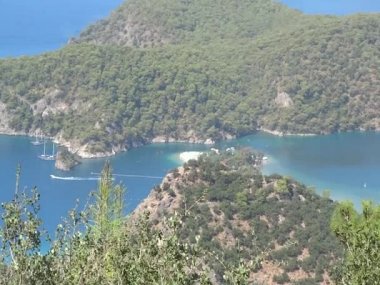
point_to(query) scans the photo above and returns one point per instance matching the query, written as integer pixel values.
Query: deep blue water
(29, 27)
(59, 196)
(346, 164)
(36, 26)
(343, 163)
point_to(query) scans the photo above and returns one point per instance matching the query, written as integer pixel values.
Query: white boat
(45, 156)
(37, 141)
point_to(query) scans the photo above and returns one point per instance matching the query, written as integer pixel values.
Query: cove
(59, 194)
(347, 164)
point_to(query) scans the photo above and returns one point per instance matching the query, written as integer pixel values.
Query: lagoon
(347, 164)
(60, 195)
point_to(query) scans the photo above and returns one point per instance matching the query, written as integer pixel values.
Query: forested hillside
(234, 211)
(157, 22)
(195, 71)
(216, 220)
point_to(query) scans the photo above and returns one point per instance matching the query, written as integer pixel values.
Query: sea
(346, 164)
(37, 26)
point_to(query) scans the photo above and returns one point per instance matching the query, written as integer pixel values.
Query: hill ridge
(227, 204)
(313, 74)
(158, 22)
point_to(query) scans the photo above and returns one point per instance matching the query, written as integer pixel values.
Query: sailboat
(45, 156)
(37, 141)
(52, 156)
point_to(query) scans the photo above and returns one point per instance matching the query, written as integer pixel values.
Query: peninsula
(197, 71)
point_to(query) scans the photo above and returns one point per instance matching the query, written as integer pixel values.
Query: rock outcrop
(283, 100)
(65, 160)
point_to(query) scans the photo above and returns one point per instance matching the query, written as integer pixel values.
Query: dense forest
(234, 211)
(197, 70)
(216, 220)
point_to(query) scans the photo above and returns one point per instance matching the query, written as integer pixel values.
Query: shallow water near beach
(346, 164)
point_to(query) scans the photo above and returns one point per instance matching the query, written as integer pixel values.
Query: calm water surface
(58, 196)
(29, 27)
(33, 27)
(346, 164)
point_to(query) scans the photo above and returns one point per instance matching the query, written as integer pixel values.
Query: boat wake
(71, 178)
(132, 175)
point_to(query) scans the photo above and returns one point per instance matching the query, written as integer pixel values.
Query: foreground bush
(98, 245)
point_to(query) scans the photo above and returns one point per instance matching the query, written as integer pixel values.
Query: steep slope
(236, 212)
(329, 72)
(157, 22)
(256, 65)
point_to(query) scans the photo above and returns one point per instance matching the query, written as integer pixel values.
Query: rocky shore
(65, 160)
(281, 134)
(83, 150)
(195, 140)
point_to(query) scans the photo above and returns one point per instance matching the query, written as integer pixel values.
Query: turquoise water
(58, 196)
(343, 163)
(346, 164)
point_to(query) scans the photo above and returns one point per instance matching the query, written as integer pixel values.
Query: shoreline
(186, 156)
(83, 154)
(22, 134)
(355, 192)
(285, 134)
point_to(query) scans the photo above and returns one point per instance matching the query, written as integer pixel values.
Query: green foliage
(171, 21)
(100, 246)
(282, 185)
(198, 69)
(281, 279)
(109, 205)
(238, 213)
(360, 235)
(20, 239)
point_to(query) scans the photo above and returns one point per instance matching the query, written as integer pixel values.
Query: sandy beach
(188, 155)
